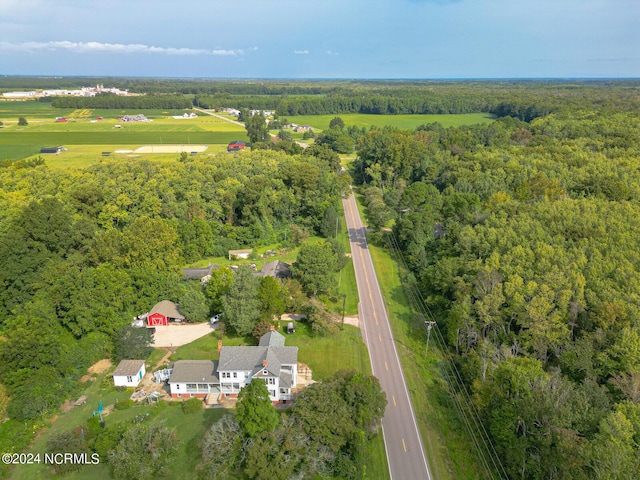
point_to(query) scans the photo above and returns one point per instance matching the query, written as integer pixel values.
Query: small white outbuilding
(129, 373)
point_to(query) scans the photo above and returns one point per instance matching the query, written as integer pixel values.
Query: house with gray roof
(194, 378)
(275, 269)
(203, 274)
(271, 361)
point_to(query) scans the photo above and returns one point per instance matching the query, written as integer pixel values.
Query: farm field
(86, 138)
(399, 121)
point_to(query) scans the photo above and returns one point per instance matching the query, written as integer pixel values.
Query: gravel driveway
(176, 335)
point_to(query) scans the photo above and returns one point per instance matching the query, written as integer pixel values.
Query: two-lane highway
(405, 451)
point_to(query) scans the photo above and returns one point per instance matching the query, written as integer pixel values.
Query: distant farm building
(134, 118)
(186, 115)
(236, 146)
(303, 128)
(55, 150)
(163, 313)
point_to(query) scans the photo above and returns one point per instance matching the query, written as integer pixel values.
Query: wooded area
(523, 241)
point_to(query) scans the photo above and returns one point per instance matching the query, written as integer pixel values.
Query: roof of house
(271, 350)
(194, 371)
(199, 272)
(128, 368)
(275, 269)
(166, 308)
(272, 339)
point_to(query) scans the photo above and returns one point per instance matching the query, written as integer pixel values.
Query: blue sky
(321, 39)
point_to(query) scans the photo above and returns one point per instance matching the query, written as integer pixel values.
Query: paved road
(405, 451)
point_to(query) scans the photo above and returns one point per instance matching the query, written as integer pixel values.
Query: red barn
(236, 146)
(163, 313)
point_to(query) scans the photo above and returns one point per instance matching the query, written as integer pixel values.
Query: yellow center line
(394, 400)
(404, 445)
(387, 367)
(379, 337)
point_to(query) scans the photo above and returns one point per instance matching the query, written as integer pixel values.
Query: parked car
(215, 319)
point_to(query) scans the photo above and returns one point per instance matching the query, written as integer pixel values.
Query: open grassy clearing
(400, 121)
(189, 429)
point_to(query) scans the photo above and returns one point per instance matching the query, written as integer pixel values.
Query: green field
(86, 138)
(400, 121)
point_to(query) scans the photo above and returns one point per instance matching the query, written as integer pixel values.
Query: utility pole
(429, 325)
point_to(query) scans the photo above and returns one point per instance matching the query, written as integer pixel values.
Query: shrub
(123, 404)
(192, 405)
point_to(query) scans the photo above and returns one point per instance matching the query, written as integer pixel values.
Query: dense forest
(523, 239)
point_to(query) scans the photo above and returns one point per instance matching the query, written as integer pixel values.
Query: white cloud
(329, 52)
(98, 47)
(301, 52)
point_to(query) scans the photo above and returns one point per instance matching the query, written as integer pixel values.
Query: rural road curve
(405, 451)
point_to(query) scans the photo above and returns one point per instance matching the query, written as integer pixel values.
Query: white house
(129, 373)
(270, 362)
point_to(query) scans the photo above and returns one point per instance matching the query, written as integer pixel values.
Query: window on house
(191, 386)
(178, 386)
(129, 379)
(235, 374)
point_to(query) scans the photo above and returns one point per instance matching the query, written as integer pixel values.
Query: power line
(459, 394)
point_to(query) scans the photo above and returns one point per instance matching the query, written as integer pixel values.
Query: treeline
(82, 253)
(523, 240)
(110, 100)
(426, 103)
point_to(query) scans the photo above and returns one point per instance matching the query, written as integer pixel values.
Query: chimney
(264, 363)
(272, 328)
(219, 346)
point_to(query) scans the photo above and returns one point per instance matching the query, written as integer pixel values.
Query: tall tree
(218, 286)
(257, 129)
(315, 267)
(193, 304)
(271, 295)
(254, 410)
(240, 305)
(145, 451)
(132, 343)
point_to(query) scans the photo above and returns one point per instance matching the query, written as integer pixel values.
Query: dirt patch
(97, 368)
(65, 407)
(352, 320)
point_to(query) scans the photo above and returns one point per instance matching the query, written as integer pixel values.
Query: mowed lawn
(400, 121)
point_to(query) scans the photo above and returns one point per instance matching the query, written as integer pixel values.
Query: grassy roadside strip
(446, 446)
